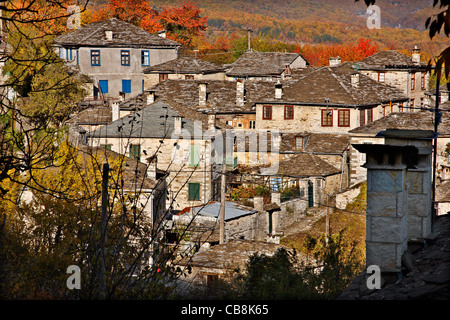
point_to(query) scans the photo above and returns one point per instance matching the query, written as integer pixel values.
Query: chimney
(278, 90)
(150, 97)
(335, 61)
(162, 33)
(211, 121)
(152, 167)
(109, 35)
(115, 111)
(416, 55)
(177, 126)
(202, 95)
(355, 79)
(240, 96)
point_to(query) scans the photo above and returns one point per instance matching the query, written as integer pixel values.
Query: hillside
(324, 21)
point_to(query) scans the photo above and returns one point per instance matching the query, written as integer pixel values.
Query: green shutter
(135, 152)
(194, 155)
(194, 191)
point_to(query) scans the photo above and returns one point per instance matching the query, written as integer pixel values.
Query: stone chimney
(211, 121)
(177, 125)
(152, 167)
(416, 55)
(355, 79)
(387, 203)
(150, 97)
(278, 90)
(109, 35)
(115, 109)
(335, 61)
(240, 93)
(162, 33)
(202, 95)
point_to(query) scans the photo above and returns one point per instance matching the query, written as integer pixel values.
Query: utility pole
(103, 225)
(249, 47)
(222, 204)
(437, 119)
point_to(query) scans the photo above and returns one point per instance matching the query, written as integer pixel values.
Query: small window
(229, 122)
(299, 143)
(369, 115)
(163, 76)
(193, 191)
(413, 81)
(194, 155)
(267, 113)
(189, 77)
(381, 76)
(252, 124)
(145, 58)
(344, 118)
(126, 86)
(103, 85)
(95, 57)
(135, 152)
(288, 112)
(125, 57)
(422, 81)
(327, 118)
(106, 146)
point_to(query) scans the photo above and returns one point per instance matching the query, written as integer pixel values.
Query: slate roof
(253, 63)
(92, 116)
(221, 94)
(335, 83)
(389, 59)
(184, 65)
(153, 121)
(443, 192)
(124, 34)
(324, 143)
(423, 120)
(303, 165)
(232, 210)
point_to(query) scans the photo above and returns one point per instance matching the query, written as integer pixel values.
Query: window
(369, 115)
(252, 124)
(163, 76)
(135, 152)
(422, 81)
(193, 191)
(103, 85)
(288, 112)
(106, 146)
(327, 118)
(344, 118)
(400, 107)
(61, 55)
(125, 57)
(381, 76)
(298, 143)
(362, 117)
(194, 155)
(69, 55)
(126, 86)
(145, 58)
(189, 77)
(229, 122)
(413, 81)
(267, 113)
(95, 57)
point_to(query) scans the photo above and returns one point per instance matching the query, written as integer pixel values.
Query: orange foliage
(182, 23)
(319, 55)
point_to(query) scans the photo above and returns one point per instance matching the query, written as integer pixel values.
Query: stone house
(266, 66)
(327, 100)
(114, 54)
(177, 138)
(369, 134)
(188, 68)
(408, 74)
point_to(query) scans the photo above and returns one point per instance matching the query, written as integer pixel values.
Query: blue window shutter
(78, 60)
(126, 86)
(103, 84)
